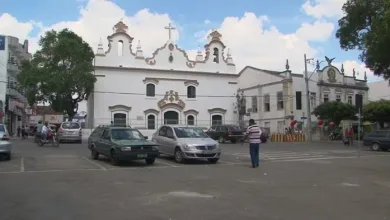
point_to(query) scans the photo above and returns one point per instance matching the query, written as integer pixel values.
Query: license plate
(142, 156)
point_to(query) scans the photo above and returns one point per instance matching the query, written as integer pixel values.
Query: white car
(186, 142)
(5, 144)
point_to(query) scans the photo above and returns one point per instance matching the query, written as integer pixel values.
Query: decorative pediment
(191, 112)
(119, 108)
(217, 110)
(171, 99)
(348, 91)
(191, 83)
(326, 89)
(338, 91)
(151, 111)
(150, 80)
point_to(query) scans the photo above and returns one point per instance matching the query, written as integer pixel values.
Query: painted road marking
(94, 163)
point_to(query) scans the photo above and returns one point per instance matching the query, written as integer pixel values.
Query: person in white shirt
(253, 133)
(45, 130)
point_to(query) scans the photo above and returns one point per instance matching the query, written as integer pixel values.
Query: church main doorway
(171, 118)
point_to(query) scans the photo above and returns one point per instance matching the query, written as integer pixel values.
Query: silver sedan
(186, 142)
(5, 143)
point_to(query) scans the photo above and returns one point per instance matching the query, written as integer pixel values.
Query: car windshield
(126, 134)
(70, 125)
(184, 132)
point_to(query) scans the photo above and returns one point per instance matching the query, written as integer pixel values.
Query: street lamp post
(308, 94)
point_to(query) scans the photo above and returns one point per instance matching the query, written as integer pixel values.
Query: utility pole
(308, 114)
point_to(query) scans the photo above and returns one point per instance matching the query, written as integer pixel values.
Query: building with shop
(12, 98)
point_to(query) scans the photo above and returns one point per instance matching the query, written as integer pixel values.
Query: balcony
(13, 68)
(14, 91)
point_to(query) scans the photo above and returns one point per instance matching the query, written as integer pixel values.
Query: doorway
(171, 118)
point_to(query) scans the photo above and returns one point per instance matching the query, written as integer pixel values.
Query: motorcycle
(51, 139)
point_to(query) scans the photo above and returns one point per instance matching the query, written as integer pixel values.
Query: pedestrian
(18, 131)
(350, 135)
(253, 133)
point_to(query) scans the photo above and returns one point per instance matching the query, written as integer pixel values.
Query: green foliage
(366, 27)
(378, 111)
(60, 73)
(335, 112)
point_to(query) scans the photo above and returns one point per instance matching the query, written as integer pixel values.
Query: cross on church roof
(170, 28)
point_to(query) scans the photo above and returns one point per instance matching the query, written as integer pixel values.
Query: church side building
(167, 88)
(274, 99)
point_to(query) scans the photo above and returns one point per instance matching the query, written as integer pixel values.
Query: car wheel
(94, 153)
(221, 140)
(150, 161)
(8, 156)
(213, 160)
(179, 156)
(375, 147)
(80, 141)
(113, 158)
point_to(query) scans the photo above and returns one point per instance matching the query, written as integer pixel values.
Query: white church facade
(167, 88)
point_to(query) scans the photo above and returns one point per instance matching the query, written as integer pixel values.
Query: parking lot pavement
(357, 189)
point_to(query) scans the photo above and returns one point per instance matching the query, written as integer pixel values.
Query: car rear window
(2, 128)
(234, 128)
(70, 125)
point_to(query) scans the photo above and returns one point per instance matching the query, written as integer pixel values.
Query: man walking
(253, 133)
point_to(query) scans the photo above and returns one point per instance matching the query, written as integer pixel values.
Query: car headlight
(217, 146)
(125, 148)
(188, 147)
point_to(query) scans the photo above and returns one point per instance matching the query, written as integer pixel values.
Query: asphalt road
(294, 182)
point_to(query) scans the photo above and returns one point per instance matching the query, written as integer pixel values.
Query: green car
(121, 144)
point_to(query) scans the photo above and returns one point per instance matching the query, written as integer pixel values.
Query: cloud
(360, 69)
(252, 39)
(324, 8)
(207, 21)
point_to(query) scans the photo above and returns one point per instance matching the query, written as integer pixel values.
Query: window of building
(254, 104)
(190, 120)
(313, 100)
(151, 122)
(120, 48)
(326, 97)
(280, 103)
(350, 99)
(338, 98)
(267, 104)
(150, 90)
(215, 55)
(298, 100)
(191, 92)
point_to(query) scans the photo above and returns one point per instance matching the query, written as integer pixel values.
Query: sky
(259, 33)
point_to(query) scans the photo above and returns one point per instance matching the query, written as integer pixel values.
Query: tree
(378, 111)
(335, 112)
(365, 27)
(60, 73)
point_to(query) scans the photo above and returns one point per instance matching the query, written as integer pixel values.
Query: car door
(105, 142)
(161, 139)
(224, 131)
(170, 139)
(94, 137)
(211, 132)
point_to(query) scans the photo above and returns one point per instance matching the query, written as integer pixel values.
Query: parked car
(186, 142)
(377, 140)
(70, 131)
(222, 133)
(5, 144)
(265, 131)
(121, 143)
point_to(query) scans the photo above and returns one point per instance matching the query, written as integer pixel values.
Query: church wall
(124, 81)
(250, 77)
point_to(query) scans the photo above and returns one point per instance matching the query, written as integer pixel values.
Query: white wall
(3, 72)
(131, 81)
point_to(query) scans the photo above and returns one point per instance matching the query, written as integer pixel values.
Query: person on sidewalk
(253, 133)
(350, 135)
